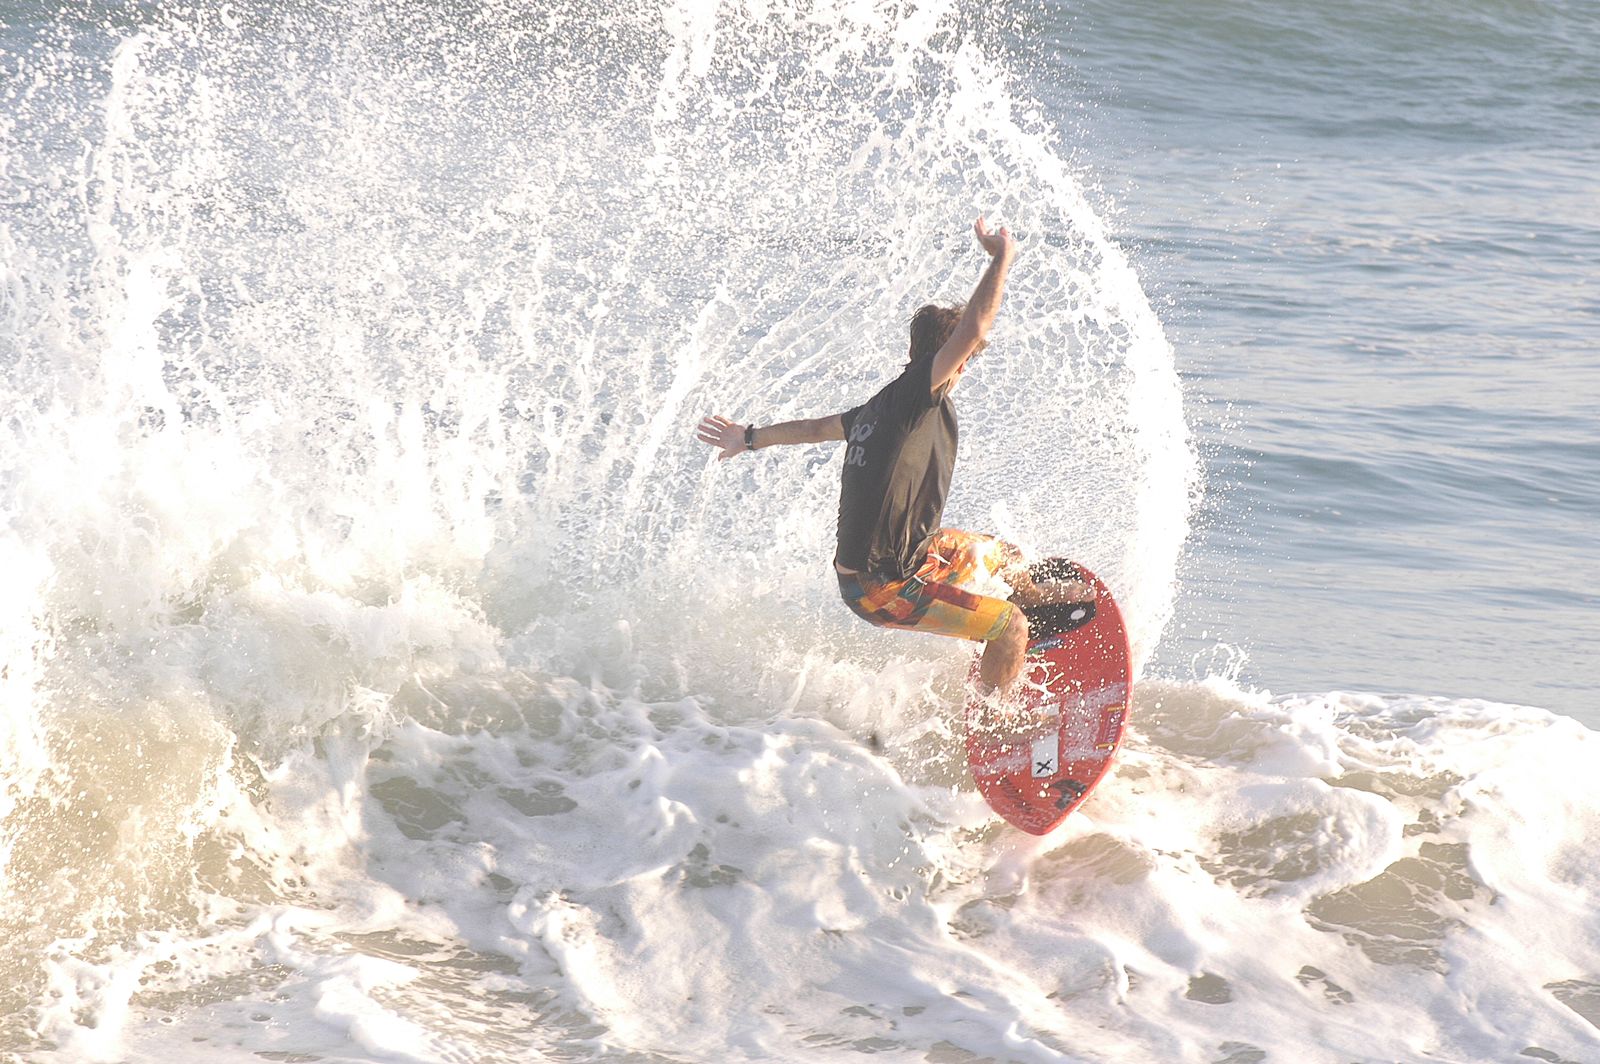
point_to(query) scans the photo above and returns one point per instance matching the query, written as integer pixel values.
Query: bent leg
(1026, 592)
(1004, 654)
(970, 552)
(933, 601)
(922, 605)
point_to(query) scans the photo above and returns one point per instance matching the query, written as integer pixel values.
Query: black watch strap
(749, 437)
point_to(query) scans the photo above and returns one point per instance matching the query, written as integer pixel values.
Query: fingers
(722, 434)
(711, 429)
(993, 243)
(981, 227)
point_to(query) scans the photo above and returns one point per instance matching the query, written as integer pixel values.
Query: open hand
(994, 243)
(720, 432)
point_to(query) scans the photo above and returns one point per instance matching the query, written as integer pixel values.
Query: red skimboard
(1039, 767)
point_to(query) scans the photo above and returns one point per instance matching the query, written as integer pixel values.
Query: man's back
(900, 453)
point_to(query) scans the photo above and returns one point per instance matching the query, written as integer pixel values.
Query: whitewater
(387, 674)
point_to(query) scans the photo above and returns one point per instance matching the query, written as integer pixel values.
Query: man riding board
(897, 568)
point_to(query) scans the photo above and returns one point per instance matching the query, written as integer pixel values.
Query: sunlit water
(388, 675)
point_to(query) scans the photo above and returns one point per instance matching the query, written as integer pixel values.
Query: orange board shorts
(933, 598)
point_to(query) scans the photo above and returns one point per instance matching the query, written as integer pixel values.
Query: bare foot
(1066, 592)
(1054, 593)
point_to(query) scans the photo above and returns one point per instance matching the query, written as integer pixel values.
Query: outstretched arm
(730, 436)
(981, 308)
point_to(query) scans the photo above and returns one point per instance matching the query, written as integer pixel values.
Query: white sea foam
(390, 676)
(1266, 873)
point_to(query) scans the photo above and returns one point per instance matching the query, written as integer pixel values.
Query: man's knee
(1015, 635)
(1007, 557)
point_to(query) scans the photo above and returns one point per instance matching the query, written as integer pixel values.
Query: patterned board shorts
(933, 600)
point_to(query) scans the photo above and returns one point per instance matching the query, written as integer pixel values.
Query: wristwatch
(749, 437)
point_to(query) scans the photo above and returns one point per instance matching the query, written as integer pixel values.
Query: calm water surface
(1375, 233)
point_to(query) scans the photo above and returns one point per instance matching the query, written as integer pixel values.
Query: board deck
(1039, 765)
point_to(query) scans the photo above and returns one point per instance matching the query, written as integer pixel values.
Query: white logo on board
(1045, 752)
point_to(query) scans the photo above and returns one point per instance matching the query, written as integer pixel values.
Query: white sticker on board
(1045, 755)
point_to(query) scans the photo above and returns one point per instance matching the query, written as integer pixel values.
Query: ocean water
(1371, 235)
(387, 675)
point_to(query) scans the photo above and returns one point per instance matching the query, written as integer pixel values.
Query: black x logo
(1045, 767)
(1068, 791)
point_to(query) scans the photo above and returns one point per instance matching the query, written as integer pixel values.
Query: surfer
(896, 566)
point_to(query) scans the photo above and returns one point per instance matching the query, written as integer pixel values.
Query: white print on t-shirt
(856, 453)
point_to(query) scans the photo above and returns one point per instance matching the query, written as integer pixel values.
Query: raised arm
(733, 438)
(981, 308)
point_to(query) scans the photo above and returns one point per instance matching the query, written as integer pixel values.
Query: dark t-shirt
(899, 454)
